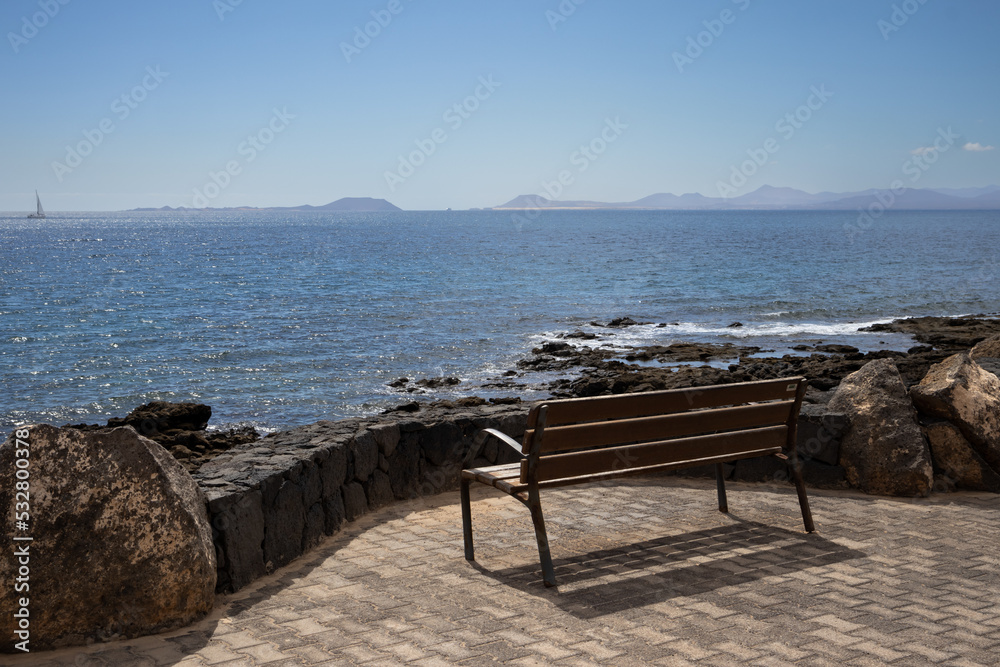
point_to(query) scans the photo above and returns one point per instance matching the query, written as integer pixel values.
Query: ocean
(281, 319)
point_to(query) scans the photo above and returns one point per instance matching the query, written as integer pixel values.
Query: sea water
(280, 319)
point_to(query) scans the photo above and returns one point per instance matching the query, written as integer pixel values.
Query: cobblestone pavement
(649, 572)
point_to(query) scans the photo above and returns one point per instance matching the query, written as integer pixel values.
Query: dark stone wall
(272, 500)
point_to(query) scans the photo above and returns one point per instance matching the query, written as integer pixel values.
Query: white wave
(783, 329)
(655, 334)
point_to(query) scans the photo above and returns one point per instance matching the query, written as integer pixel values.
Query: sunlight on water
(281, 319)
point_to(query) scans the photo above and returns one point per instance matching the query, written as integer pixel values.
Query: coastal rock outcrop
(621, 323)
(883, 449)
(604, 370)
(944, 333)
(121, 543)
(423, 384)
(960, 391)
(959, 464)
(987, 349)
(987, 354)
(162, 416)
(180, 428)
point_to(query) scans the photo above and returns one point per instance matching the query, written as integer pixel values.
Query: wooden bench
(580, 440)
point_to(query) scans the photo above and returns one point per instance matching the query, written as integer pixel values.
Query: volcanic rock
(837, 349)
(945, 333)
(437, 383)
(180, 428)
(556, 348)
(956, 458)
(161, 416)
(883, 449)
(987, 354)
(582, 335)
(988, 349)
(960, 391)
(689, 352)
(121, 540)
(622, 322)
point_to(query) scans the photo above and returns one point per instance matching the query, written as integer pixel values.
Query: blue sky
(257, 103)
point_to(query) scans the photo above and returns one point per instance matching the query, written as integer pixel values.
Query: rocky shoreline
(866, 423)
(182, 428)
(602, 370)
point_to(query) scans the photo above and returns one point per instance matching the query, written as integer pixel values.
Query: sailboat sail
(38, 202)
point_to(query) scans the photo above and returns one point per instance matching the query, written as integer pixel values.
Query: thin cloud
(976, 147)
(923, 150)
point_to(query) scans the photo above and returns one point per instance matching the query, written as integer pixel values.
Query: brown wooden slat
(508, 486)
(576, 464)
(645, 429)
(519, 487)
(625, 406)
(500, 468)
(489, 475)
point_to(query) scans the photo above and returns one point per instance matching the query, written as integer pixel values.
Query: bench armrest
(481, 438)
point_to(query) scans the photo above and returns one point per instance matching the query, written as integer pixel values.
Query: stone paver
(650, 574)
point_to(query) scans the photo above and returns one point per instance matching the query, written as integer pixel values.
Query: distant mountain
(912, 200)
(968, 192)
(770, 198)
(781, 198)
(691, 200)
(355, 204)
(988, 200)
(538, 201)
(358, 204)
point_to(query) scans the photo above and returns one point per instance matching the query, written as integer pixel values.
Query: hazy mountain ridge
(774, 198)
(765, 198)
(357, 204)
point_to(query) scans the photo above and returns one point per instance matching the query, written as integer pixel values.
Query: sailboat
(40, 213)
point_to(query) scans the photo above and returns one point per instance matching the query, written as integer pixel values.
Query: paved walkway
(649, 573)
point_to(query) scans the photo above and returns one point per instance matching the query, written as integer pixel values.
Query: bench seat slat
(686, 424)
(490, 469)
(511, 485)
(588, 462)
(677, 465)
(504, 477)
(625, 406)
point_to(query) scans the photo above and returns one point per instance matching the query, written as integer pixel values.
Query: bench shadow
(629, 576)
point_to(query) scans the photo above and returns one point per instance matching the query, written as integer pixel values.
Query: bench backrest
(586, 436)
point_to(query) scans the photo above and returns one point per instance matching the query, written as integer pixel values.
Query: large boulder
(960, 391)
(883, 449)
(121, 543)
(958, 462)
(988, 349)
(987, 354)
(161, 416)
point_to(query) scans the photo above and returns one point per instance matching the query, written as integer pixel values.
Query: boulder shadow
(606, 581)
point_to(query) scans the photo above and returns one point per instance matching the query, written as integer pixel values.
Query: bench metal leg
(548, 570)
(800, 488)
(720, 484)
(467, 520)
